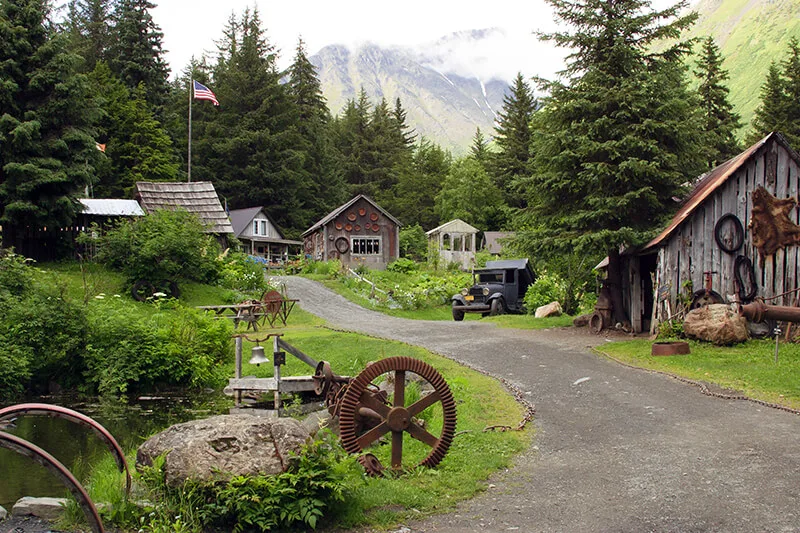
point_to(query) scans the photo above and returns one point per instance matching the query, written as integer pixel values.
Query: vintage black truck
(498, 288)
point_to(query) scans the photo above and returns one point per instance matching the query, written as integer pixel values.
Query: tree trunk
(614, 284)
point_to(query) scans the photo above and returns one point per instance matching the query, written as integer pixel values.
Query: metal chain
(702, 386)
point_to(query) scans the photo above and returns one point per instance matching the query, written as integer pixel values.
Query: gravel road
(622, 451)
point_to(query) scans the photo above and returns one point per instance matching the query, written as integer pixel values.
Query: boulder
(48, 508)
(551, 309)
(720, 324)
(223, 446)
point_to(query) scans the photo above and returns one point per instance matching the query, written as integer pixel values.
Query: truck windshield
(490, 277)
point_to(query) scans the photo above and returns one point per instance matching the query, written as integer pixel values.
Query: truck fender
(459, 300)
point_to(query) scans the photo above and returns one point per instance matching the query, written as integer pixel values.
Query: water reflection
(77, 447)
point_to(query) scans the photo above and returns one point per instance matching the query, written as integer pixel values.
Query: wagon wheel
(323, 378)
(364, 418)
(142, 290)
(272, 302)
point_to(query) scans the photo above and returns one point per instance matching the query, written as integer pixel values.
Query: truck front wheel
(458, 314)
(497, 307)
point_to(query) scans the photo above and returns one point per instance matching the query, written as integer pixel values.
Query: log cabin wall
(691, 249)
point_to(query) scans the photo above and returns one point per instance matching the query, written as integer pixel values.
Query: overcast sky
(191, 28)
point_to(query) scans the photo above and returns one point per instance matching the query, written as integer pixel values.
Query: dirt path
(624, 450)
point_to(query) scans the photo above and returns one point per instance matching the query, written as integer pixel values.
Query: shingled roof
(197, 197)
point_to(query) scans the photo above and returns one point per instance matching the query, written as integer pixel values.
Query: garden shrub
(546, 289)
(164, 245)
(313, 486)
(135, 349)
(242, 272)
(402, 265)
(413, 243)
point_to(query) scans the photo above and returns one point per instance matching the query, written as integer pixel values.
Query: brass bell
(257, 356)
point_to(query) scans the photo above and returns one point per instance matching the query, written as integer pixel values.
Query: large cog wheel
(364, 418)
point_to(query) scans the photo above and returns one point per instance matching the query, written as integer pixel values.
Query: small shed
(719, 233)
(260, 236)
(198, 197)
(359, 232)
(454, 242)
(102, 212)
(493, 241)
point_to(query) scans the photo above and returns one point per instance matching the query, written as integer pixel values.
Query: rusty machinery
(33, 452)
(367, 412)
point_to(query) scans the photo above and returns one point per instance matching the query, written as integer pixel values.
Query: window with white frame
(365, 245)
(255, 227)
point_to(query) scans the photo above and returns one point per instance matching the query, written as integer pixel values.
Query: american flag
(201, 92)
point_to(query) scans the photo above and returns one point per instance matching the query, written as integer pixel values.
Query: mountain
(750, 34)
(440, 103)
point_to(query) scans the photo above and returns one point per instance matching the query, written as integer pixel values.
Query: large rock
(223, 446)
(551, 309)
(49, 508)
(717, 323)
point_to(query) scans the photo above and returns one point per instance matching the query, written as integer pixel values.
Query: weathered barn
(260, 236)
(453, 242)
(359, 232)
(198, 197)
(714, 235)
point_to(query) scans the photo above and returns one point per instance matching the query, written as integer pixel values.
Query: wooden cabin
(198, 197)
(261, 237)
(359, 232)
(715, 235)
(453, 242)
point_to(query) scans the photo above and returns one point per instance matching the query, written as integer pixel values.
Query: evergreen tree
(413, 198)
(720, 121)
(89, 26)
(511, 161)
(46, 141)
(252, 148)
(480, 148)
(314, 125)
(351, 138)
(137, 147)
(405, 134)
(615, 142)
(468, 193)
(791, 75)
(771, 113)
(136, 56)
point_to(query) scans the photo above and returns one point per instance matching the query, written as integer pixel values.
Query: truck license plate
(469, 298)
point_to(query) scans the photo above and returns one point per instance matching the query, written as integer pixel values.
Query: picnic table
(271, 307)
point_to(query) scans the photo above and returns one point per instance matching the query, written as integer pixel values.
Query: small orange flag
(101, 147)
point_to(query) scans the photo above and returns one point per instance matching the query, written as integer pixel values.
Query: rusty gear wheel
(360, 405)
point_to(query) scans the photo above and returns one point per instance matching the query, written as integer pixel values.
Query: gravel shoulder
(624, 450)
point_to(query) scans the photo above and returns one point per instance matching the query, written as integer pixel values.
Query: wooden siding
(692, 250)
(321, 244)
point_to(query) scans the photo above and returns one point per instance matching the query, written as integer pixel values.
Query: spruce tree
(314, 125)
(615, 141)
(511, 160)
(136, 54)
(412, 200)
(771, 114)
(720, 121)
(137, 147)
(791, 75)
(47, 145)
(90, 29)
(480, 148)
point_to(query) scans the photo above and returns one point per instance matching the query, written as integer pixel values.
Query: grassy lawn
(748, 367)
(377, 502)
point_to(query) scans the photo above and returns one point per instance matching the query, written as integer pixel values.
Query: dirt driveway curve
(624, 451)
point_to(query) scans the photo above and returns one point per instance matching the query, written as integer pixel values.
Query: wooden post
(238, 394)
(277, 367)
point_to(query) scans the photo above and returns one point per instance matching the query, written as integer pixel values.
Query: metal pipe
(758, 311)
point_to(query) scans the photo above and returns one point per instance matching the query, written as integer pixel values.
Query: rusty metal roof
(197, 197)
(710, 182)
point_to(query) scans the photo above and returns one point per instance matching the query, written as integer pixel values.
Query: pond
(130, 421)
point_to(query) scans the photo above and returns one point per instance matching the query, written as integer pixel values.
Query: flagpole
(189, 158)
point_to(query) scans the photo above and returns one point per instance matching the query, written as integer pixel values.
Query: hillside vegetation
(751, 34)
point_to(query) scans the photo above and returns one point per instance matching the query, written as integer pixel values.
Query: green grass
(749, 367)
(375, 502)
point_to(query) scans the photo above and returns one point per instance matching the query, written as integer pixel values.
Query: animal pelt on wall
(770, 224)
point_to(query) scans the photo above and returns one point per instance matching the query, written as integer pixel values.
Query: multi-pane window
(365, 245)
